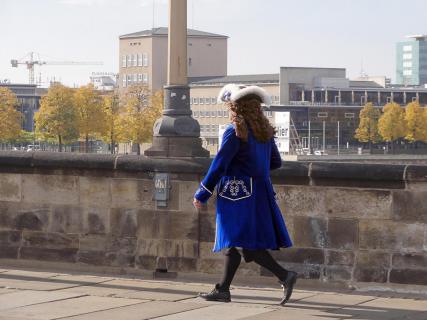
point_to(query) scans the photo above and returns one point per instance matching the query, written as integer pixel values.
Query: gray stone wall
(349, 222)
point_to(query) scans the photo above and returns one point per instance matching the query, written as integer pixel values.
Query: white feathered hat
(233, 92)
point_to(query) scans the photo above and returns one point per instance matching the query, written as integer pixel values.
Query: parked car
(320, 153)
(32, 147)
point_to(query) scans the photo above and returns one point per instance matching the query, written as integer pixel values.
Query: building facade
(28, 96)
(212, 115)
(143, 57)
(411, 61)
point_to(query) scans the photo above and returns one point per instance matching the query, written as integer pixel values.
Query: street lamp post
(176, 133)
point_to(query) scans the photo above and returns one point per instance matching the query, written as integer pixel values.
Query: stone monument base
(165, 147)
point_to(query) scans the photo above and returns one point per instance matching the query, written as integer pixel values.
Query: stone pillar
(352, 97)
(379, 97)
(326, 96)
(391, 97)
(312, 96)
(176, 133)
(404, 97)
(339, 97)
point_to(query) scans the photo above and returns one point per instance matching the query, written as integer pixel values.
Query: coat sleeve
(275, 160)
(229, 147)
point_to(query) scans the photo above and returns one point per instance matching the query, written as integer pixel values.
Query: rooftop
(418, 37)
(163, 32)
(244, 79)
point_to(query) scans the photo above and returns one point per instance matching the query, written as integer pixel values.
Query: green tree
(92, 115)
(367, 131)
(58, 117)
(415, 123)
(392, 125)
(142, 108)
(10, 118)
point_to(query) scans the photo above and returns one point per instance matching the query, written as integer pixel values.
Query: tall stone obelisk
(176, 133)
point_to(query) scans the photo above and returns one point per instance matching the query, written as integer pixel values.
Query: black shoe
(217, 295)
(288, 286)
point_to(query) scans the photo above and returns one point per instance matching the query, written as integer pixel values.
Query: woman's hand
(197, 204)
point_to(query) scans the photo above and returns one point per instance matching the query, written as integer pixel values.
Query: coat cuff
(202, 194)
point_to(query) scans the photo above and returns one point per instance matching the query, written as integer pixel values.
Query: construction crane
(30, 61)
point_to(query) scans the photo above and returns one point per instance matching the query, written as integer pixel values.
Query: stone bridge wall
(349, 222)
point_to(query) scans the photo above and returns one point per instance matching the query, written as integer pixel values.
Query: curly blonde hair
(247, 112)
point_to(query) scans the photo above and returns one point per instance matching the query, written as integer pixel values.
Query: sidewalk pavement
(29, 294)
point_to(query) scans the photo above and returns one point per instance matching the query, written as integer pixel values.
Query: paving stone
(290, 313)
(146, 310)
(220, 311)
(68, 308)
(333, 301)
(28, 273)
(29, 297)
(268, 297)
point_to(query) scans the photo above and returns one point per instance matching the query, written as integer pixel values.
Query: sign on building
(282, 124)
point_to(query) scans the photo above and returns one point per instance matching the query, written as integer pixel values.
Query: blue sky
(264, 34)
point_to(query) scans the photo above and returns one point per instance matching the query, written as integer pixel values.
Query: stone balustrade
(350, 222)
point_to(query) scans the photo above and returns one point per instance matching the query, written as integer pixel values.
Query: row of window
(407, 48)
(407, 56)
(135, 60)
(407, 72)
(213, 128)
(347, 115)
(210, 100)
(129, 79)
(220, 114)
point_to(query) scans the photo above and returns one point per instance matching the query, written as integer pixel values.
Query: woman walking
(247, 216)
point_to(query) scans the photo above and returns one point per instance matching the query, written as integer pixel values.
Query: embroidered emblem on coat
(236, 189)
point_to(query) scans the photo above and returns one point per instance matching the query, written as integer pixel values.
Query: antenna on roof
(154, 1)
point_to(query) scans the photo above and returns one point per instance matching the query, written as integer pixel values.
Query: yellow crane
(30, 60)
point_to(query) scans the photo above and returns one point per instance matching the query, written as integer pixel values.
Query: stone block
(181, 264)
(337, 273)
(96, 258)
(146, 262)
(305, 271)
(186, 195)
(372, 266)
(367, 274)
(343, 234)
(410, 206)
(345, 258)
(61, 255)
(93, 242)
(67, 219)
(301, 200)
(123, 222)
(10, 187)
(8, 252)
(300, 255)
(52, 189)
(409, 276)
(50, 240)
(353, 203)
(132, 193)
(31, 219)
(207, 227)
(98, 220)
(168, 248)
(409, 261)
(205, 251)
(390, 235)
(10, 237)
(211, 266)
(120, 252)
(94, 191)
(310, 232)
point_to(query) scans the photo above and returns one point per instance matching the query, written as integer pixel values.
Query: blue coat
(247, 214)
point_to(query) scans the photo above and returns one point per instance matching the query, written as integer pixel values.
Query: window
(407, 56)
(407, 64)
(322, 114)
(135, 77)
(145, 57)
(226, 113)
(213, 100)
(202, 100)
(407, 48)
(196, 101)
(128, 61)
(139, 77)
(189, 62)
(129, 79)
(124, 61)
(407, 72)
(139, 59)
(195, 114)
(145, 77)
(213, 114)
(124, 81)
(349, 115)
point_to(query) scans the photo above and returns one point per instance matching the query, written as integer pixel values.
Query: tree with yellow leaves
(92, 116)
(142, 109)
(10, 118)
(392, 125)
(368, 125)
(58, 117)
(113, 129)
(416, 123)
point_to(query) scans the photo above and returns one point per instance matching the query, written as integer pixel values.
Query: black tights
(261, 257)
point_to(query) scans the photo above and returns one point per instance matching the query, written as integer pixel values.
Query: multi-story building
(212, 115)
(28, 96)
(411, 61)
(143, 56)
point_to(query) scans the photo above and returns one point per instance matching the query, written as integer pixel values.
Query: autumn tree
(10, 118)
(92, 116)
(416, 123)
(113, 129)
(58, 117)
(367, 131)
(142, 108)
(392, 125)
